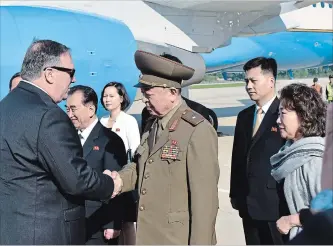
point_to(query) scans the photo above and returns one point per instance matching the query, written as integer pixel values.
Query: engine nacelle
(99, 55)
(190, 59)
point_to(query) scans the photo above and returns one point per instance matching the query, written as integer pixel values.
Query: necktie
(158, 131)
(81, 138)
(258, 121)
(152, 135)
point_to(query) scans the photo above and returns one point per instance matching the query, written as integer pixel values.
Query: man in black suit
(102, 149)
(253, 192)
(44, 180)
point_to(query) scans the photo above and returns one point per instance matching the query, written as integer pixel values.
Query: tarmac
(226, 103)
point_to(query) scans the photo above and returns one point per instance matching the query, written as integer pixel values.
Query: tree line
(319, 72)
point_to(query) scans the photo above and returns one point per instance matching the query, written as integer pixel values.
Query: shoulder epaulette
(192, 117)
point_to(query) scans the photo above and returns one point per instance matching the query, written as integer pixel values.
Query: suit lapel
(164, 138)
(90, 142)
(268, 121)
(248, 123)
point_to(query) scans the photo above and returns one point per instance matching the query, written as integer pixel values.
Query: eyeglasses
(71, 72)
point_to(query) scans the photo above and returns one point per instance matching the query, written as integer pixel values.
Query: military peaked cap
(158, 71)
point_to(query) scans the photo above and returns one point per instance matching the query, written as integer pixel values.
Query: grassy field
(221, 85)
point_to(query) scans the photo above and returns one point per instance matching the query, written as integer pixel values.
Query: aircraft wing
(212, 23)
(184, 28)
(191, 25)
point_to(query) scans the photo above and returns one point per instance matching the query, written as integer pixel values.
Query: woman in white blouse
(115, 99)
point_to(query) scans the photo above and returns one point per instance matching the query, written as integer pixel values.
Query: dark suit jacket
(103, 149)
(256, 194)
(207, 113)
(43, 177)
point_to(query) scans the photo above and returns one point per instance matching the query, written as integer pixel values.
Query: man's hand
(108, 172)
(111, 233)
(118, 182)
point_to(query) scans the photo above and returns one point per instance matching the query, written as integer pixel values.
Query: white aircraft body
(186, 27)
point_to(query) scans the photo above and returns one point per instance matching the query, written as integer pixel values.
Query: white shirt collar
(119, 116)
(266, 106)
(26, 81)
(86, 132)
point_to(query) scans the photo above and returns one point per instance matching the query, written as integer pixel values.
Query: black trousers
(262, 233)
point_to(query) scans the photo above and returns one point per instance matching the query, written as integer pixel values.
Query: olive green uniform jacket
(177, 182)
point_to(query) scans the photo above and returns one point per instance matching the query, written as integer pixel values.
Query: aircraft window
(322, 4)
(314, 5)
(330, 5)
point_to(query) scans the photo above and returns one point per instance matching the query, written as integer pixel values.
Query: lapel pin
(274, 129)
(96, 148)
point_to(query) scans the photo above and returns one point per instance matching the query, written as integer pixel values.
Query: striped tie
(81, 138)
(258, 121)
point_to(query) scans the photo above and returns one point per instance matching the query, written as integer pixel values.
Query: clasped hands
(118, 182)
(111, 233)
(285, 223)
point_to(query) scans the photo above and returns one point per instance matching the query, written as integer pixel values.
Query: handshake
(118, 182)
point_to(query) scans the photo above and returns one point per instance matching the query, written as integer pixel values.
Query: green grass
(228, 85)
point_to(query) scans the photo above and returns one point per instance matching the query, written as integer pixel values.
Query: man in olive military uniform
(176, 165)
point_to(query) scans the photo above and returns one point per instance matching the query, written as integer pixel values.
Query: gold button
(146, 175)
(142, 208)
(144, 192)
(150, 160)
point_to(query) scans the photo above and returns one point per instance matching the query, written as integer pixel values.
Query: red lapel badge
(274, 129)
(117, 129)
(96, 148)
(174, 142)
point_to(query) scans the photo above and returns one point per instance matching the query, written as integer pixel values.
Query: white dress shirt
(86, 132)
(127, 128)
(26, 81)
(264, 109)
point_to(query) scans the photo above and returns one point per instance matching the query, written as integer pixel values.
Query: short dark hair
(309, 107)
(330, 76)
(172, 58)
(121, 92)
(41, 54)
(16, 75)
(266, 64)
(315, 79)
(89, 95)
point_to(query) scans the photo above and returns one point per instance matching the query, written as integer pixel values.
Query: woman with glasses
(114, 98)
